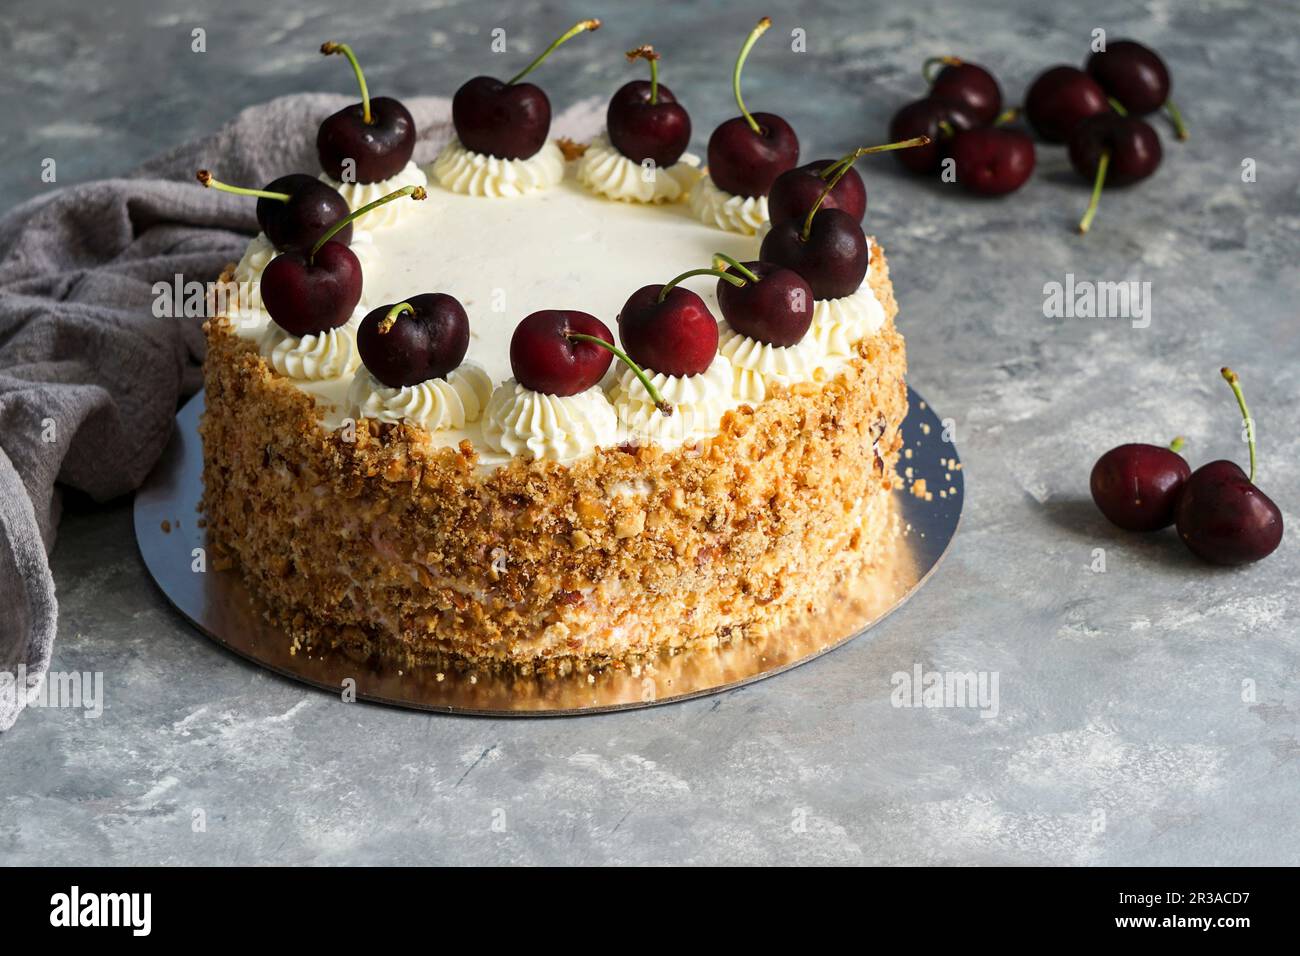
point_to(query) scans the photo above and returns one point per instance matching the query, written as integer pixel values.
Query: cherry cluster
(1096, 112)
(1219, 512)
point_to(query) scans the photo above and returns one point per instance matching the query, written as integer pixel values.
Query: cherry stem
(647, 53)
(387, 322)
(206, 179)
(947, 129)
(1234, 383)
(1007, 116)
(738, 282)
(761, 28)
(415, 192)
(1117, 106)
(1102, 165)
(930, 63)
(1176, 115)
(572, 32)
(735, 264)
(332, 47)
(1177, 444)
(841, 165)
(639, 372)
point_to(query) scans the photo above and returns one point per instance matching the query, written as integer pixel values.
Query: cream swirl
(698, 402)
(607, 172)
(713, 207)
(838, 325)
(359, 194)
(521, 422)
(314, 357)
(248, 313)
(437, 404)
(475, 174)
(757, 366)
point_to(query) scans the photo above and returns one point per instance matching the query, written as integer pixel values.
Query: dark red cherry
(366, 142)
(992, 161)
(1136, 486)
(545, 358)
(795, 192)
(1129, 147)
(509, 120)
(1224, 518)
(1133, 74)
(968, 84)
(410, 342)
(748, 152)
(746, 163)
(935, 118)
(294, 211)
(832, 256)
(644, 119)
(309, 294)
(676, 335)
(773, 306)
(1059, 99)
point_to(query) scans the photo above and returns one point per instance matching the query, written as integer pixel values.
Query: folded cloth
(90, 377)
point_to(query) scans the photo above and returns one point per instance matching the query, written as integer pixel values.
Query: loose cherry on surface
(1136, 486)
(644, 119)
(1059, 99)
(1112, 150)
(772, 305)
(1137, 77)
(411, 342)
(937, 119)
(668, 328)
(378, 135)
(993, 160)
(563, 352)
(796, 190)
(828, 248)
(1221, 515)
(509, 120)
(966, 83)
(307, 292)
(294, 211)
(747, 153)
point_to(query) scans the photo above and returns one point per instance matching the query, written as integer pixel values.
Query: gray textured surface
(1122, 737)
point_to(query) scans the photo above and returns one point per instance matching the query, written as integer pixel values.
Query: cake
(469, 519)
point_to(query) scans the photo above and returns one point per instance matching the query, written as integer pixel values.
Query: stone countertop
(1147, 714)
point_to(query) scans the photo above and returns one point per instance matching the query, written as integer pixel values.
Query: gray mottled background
(1148, 714)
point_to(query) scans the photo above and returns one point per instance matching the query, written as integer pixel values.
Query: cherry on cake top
(509, 120)
(309, 292)
(668, 328)
(644, 119)
(294, 211)
(366, 142)
(747, 153)
(422, 338)
(772, 304)
(797, 190)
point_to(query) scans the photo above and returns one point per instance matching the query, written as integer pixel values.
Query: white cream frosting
(519, 421)
(359, 194)
(437, 404)
(604, 170)
(757, 366)
(712, 206)
(838, 325)
(698, 401)
(313, 358)
(475, 174)
(251, 319)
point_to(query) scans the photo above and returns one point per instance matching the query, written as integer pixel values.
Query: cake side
(388, 543)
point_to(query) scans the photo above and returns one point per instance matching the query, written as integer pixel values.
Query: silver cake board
(174, 549)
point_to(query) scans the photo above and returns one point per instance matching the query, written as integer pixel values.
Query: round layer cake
(470, 521)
